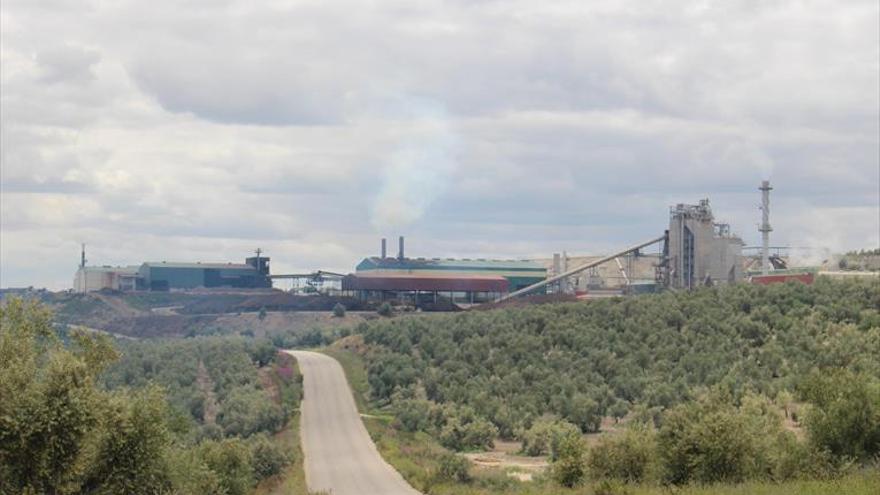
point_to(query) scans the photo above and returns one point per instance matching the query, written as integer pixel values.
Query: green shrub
(629, 457)
(544, 436)
(262, 351)
(339, 310)
(454, 468)
(190, 475)
(52, 414)
(413, 414)
(568, 469)
(231, 460)
(385, 309)
(586, 412)
(464, 433)
(131, 452)
(712, 440)
(268, 458)
(796, 459)
(844, 413)
(247, 411)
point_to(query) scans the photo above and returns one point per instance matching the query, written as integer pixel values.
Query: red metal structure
(781, 278)
(496, 284)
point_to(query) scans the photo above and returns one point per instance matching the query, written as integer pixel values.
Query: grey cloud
(67, 64)
(200, 130)
(47, 186)
(249, 95)
(277, 67)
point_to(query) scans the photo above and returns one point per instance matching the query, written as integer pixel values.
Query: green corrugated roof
(449, 264)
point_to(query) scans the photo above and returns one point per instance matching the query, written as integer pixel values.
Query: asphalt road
(340, 457)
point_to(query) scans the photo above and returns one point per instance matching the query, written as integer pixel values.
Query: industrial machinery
(696, 251)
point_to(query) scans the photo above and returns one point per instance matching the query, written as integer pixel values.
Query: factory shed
(425, 289)
(518, 273)
(171, 275)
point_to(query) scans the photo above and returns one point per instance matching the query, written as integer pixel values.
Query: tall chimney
(400, 252)
(765, 226)
(384, 248)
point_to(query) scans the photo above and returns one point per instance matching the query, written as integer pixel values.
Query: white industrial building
(95, 278)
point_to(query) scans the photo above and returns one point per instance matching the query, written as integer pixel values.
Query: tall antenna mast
(82, 257)
(765, 226)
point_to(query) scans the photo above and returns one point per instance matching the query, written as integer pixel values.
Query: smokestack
(384, 248)
(765, 226)
(400, 252)
(82, 257)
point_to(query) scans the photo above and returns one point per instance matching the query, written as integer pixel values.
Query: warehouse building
(163, 276)
(95, 278)
(421, 280)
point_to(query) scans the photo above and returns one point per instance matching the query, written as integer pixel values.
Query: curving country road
(340, 457)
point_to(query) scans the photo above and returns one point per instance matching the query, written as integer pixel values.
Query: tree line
(721, 366)
(81, 414)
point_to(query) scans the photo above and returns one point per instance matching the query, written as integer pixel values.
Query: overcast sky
(201, 130)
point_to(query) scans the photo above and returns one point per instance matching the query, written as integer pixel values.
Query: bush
(453, 468)
(794, 459)
(544, 436)
(711, 440)
(385, 309)
(246, 411)
(461, 429)
(628, 457)
(339, 310)
(131, 453)
(844, 413)
(268, 458)
(586, 413)
(190, 475)
(311, 338)
(413, 414)
(461, 435)
(231, 460)
(262, 352)
(568, 469)
(55, 424)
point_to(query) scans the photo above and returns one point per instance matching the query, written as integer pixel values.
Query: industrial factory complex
(164, 276)
(421, 280)
(693, 251)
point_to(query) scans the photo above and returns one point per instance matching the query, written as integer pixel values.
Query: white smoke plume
(419, 171)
